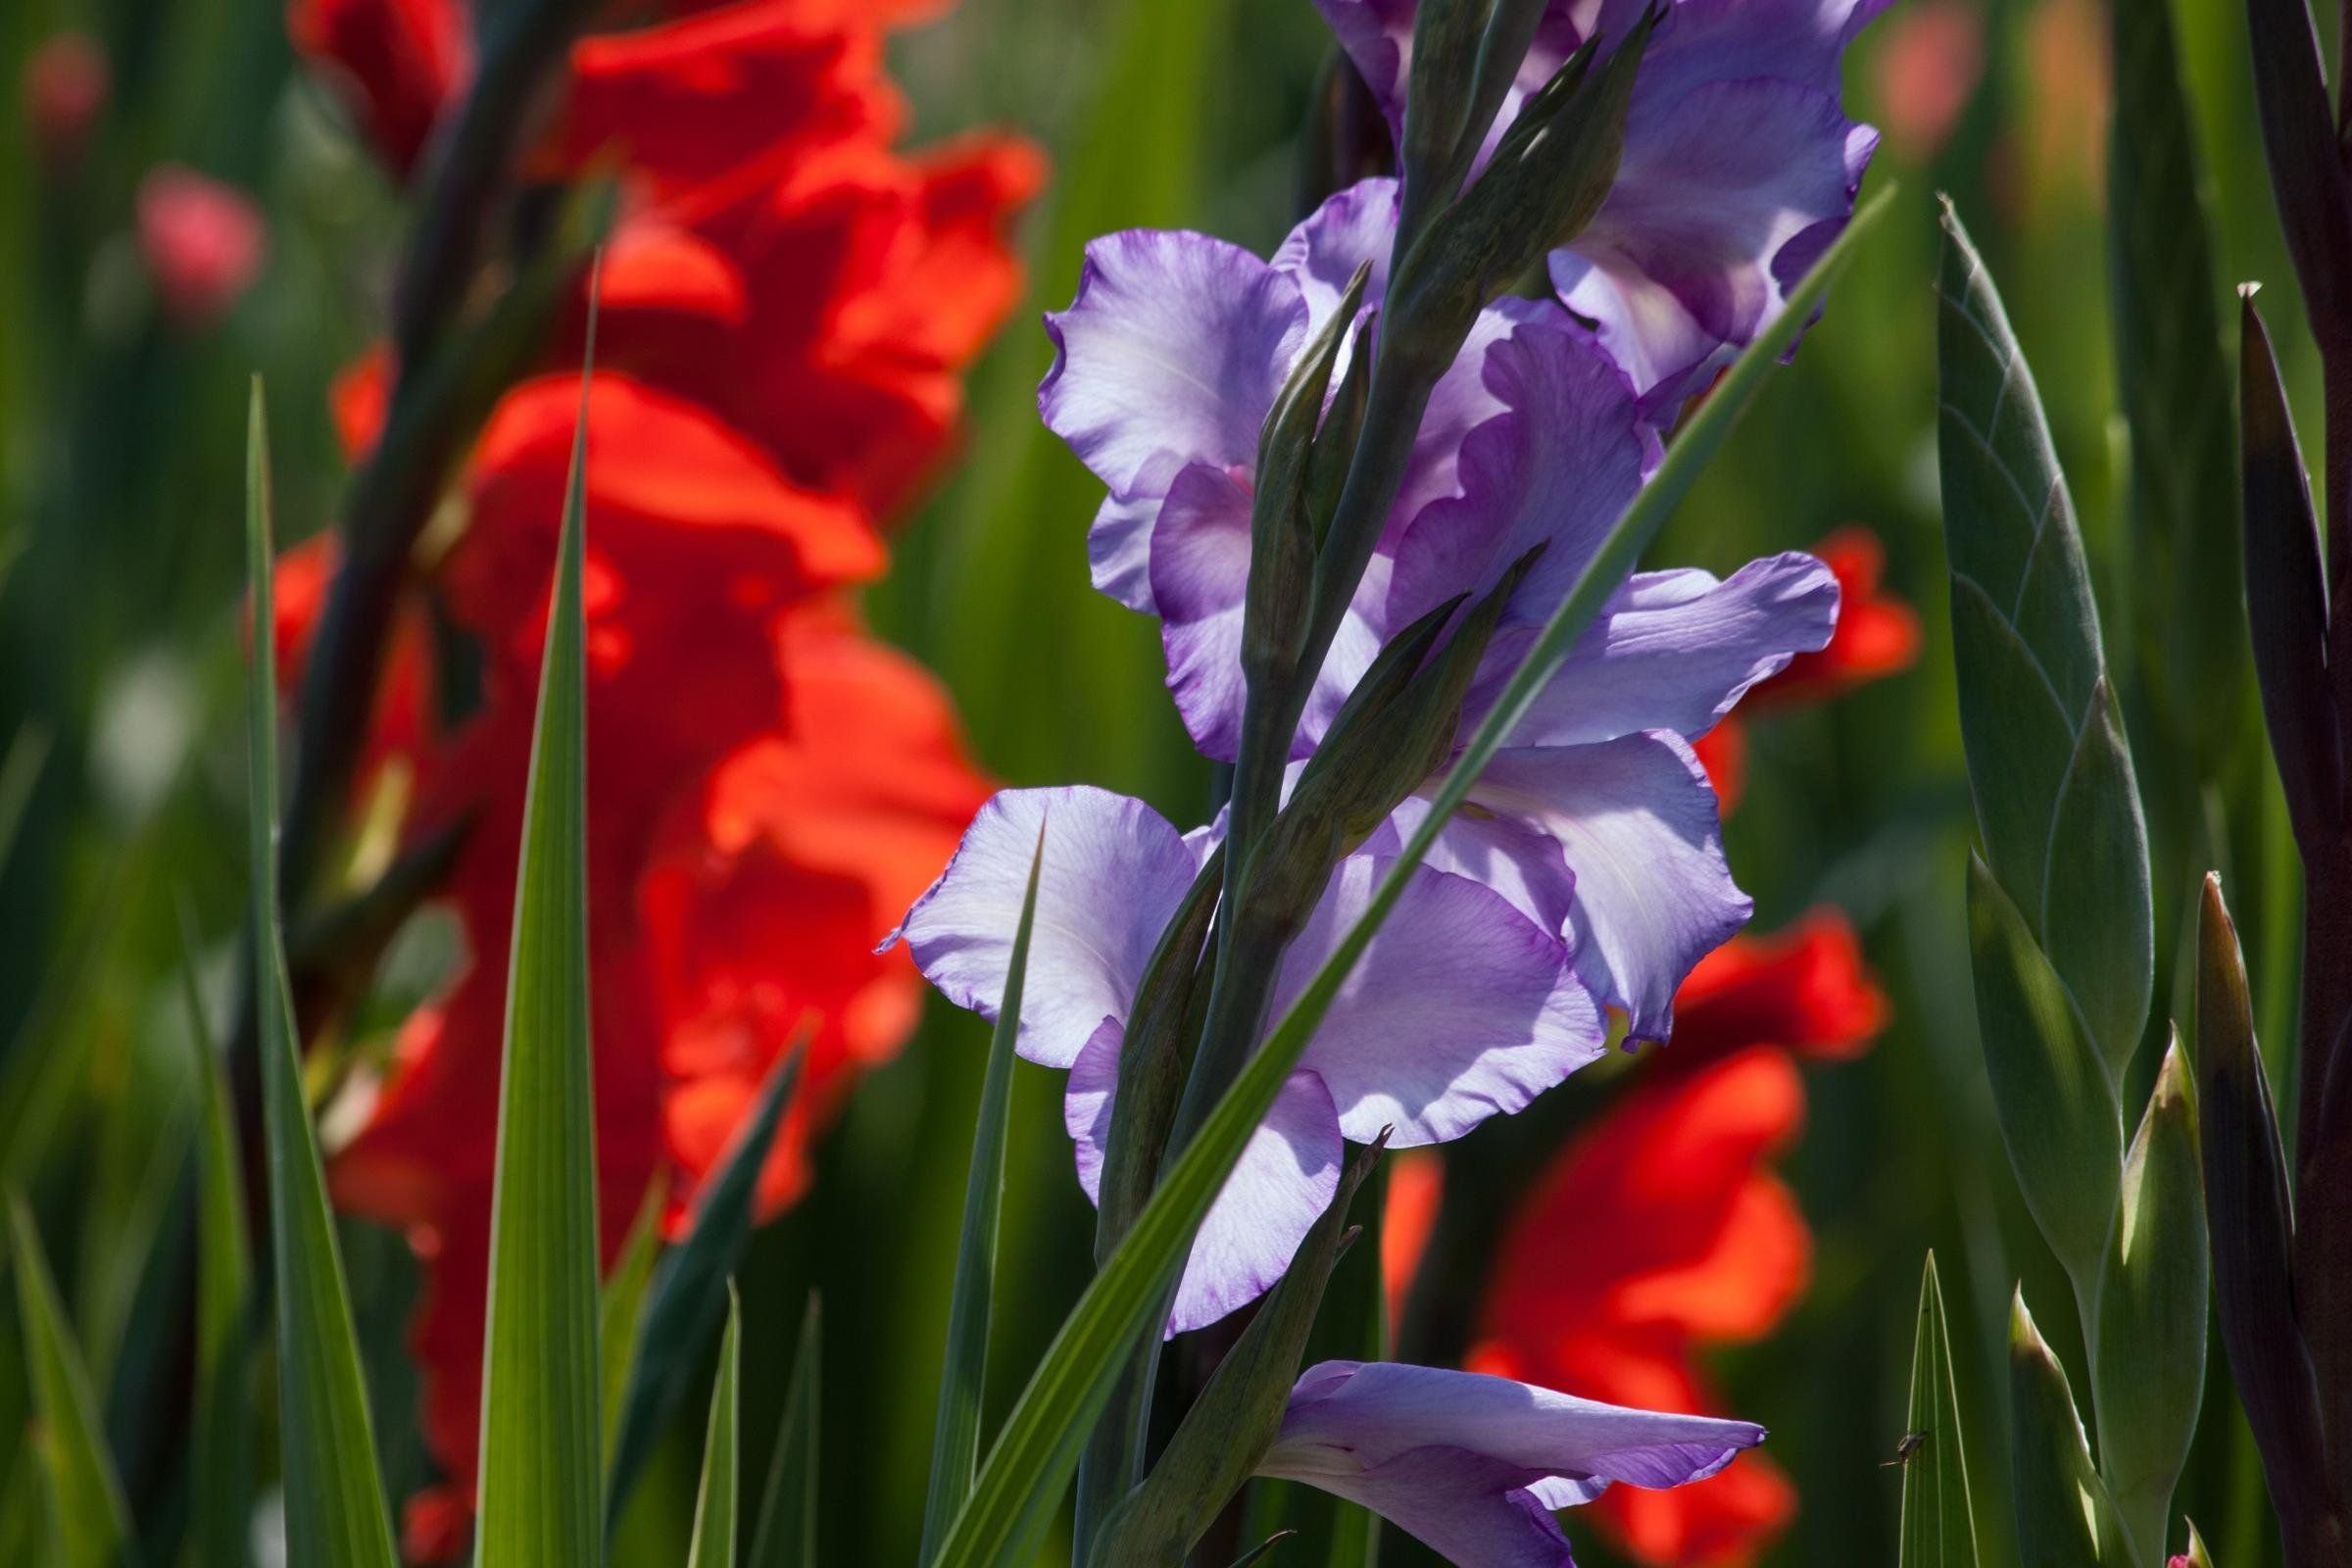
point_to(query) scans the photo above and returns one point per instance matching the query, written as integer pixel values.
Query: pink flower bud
(64, 88)
(202, 241)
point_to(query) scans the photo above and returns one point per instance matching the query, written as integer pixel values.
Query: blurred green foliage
(120, 661)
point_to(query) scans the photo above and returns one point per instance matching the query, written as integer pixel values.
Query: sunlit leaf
(714, 1503)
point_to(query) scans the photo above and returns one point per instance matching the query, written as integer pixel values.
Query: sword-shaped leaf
(715, 1504)
(787, 1533)
(622, 1304)
(1940, 1527)
(88, 1520)
(219, 1447)
(336, 1515)
(2047, 762)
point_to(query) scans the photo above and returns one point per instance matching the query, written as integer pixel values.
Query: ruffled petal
(1114, 871)
(1285, 1180)
(1675, 651)
(1637, 823)
(1356, 226)
(1200, 577)
(1474, 1511)
(1176, 343)
(1461, 1007)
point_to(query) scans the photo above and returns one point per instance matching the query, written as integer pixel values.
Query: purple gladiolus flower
(1739, 165)
(1472, 1465)
(1462, 1007)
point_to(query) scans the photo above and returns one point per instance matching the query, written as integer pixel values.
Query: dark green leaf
(1038, 1446)
(336, 1515)
(2307, 170)
(715, 1504)
(787, 1533)
(2064, 1519)
(88, 1520)
(2149, 1370)
(220, 1460)
(2057, 1112)
(623, 1302)
(689, 1294)
(1939, 1526)
(963, 1374)
(542, 1478)
(2045, 755)
(2172, 373)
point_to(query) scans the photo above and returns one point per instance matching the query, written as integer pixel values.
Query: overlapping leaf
(88, 1520)
(1940, 1527)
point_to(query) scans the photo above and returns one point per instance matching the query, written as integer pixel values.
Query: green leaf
(2197, 1555)
(2064, 1519)
(2046, 758)
(715, 1504)
(336, 1515)
(220, 1461)
(1038, 1446)
(689, 1294)
(963, 1375)
(1235, 1420)
(1939, 1525)
(91, 1525)
(2173, 376)
(2149, 1369)
(621, 1304)
(542, 1477)
(2056, 1108)
(787, 1533)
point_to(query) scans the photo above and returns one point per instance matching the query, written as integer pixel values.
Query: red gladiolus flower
(394, 63)
(1805, 989)
(1929, 58)
(65, 87)
(202, 242)
(1658, 1231)
(787, 308)
(1876, 634)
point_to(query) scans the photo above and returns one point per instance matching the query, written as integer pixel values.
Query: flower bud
(202, 241)
(64, 88)
(2062, 1513)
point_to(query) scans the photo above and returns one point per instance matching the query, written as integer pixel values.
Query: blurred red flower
(1876, 635)
(1930, 55)
(786, 311)
(393, 62)
(66, 83)
(202, 241)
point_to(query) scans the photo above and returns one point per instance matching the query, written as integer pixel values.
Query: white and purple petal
(1199, 579)
(1114, 871)
(1286, 1178)
(1671, 649)
(1637, 823)
(1461, 1008)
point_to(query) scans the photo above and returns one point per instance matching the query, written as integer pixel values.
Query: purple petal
(1114, 871)
(1199, 577)
(1672, 650)
(1357, 225)
(1347, 1415)
(1678, 267)
(1118, 547)
(1174, 348)
(1286, 1179)
(1474, 1511)
(1636, 822)
(1556, 466)
(1514, 857)
(1461, 1008)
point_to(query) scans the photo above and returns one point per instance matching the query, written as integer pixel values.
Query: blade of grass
(1038, 1446)
(92, 1524)
(963, 1377)
(715, 1506)
(220, 1461)
(623, 1302)
(689, 1293)
(1940, 1527)
(542, 1478)
(336, 1515)
(787, 1533)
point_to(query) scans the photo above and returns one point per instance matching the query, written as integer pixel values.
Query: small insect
(1904, 1451)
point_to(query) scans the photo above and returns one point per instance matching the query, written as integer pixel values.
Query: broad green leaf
(220, 1459)
(542, 1478)
(1939, 1526)
(787, 1533)
(963, 1375)
(2172, 376)
(88, 1520)
(1236, 1418)
(715, 1504)
(1038, 1446)
(622, 1303)
(2064, 1519)
(336, 1515)
(688, 1300)
(2149, 1370)
(2046, 761)
(2056, 1108)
